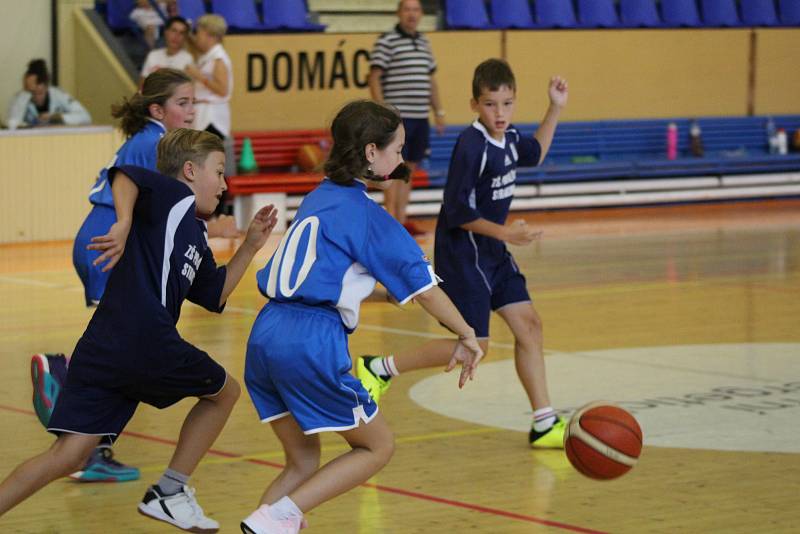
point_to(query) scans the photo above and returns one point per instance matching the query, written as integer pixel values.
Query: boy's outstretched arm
(467, 350)
(112, 245)
(516, 233)
(257, 234)
(558, 92)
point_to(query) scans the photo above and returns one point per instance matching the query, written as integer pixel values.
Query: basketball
(310, 157)
(603, 441)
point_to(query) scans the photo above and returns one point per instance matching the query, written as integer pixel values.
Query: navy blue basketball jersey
(340, 242)
(166, 260)
(139, 150)
(482, 175)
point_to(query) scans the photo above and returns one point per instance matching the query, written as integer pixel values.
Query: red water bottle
(672, 141)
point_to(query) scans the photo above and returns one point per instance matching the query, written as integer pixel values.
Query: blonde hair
(182, 145)
(213, 24)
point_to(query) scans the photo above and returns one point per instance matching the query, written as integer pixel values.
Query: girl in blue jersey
(297, 367)
(165, 103)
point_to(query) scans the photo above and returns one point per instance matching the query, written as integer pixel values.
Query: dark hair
(492, 74)
(172, 20)
(356, 125)
(38, 68)
(156, 89)
(182, 145)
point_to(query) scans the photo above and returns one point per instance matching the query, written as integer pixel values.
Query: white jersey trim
(434, 282)
(174, 218)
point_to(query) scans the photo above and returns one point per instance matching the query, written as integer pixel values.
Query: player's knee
(305, 461)
(384, 449)
(231, 392)
(67, 458)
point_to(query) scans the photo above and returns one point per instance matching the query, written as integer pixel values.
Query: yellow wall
(612, 74)
(100, 79)
(47, 177)
(66, 42)
(633, 73)
(777, 88)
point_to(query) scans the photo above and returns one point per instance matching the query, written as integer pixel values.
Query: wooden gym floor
(688, 315)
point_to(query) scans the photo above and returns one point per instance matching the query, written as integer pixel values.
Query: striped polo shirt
(407, 64)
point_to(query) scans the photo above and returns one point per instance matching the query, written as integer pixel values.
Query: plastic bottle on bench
(672, 141)
(782, 142)
(695, 140)
(772, 137)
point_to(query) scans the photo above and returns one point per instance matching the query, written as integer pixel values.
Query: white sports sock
(285, 508)
(384, 367)
(543, 418)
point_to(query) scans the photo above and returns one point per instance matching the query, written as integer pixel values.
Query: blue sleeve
(139, 150)
(208, 283)
(462, 177)
(392, 256)
(529, 150)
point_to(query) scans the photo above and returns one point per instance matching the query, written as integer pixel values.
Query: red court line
(379, 487)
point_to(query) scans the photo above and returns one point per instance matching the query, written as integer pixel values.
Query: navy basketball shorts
(298, 363)
(103, 388)
(97, 223)
(478, 290)
(418, 136)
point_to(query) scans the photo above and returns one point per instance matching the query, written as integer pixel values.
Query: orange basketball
(310, 157)
(603, 441)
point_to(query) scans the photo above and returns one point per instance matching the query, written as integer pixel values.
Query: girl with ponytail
(165, 103)
(298, 367)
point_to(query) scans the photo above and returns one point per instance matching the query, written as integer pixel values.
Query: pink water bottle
(672, 141)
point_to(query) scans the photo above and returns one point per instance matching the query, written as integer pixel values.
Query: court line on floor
(380, 487)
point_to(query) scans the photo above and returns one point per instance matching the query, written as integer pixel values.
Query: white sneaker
(180, 509)
(260, 522)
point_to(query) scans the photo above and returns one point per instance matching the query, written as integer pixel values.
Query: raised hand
(261, 227)
(558, 91)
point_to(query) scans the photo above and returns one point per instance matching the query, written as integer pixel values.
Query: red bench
(276, 154)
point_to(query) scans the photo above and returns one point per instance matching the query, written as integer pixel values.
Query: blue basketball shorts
(418, 136)
(298, 363)
(104, 386)
(97, 223)
(477, 288)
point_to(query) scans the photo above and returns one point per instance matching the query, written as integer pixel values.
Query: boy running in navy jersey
(131, 351)
(479, 274)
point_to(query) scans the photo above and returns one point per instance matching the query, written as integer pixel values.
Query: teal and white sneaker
(48, 374)
(102, 467)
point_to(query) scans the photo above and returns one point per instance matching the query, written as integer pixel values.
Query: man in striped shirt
(402, 73)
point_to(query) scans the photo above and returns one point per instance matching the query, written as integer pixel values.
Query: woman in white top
(213, 77)
(174, 55)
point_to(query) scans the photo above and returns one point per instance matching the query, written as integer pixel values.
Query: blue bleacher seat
(466, 15)
(680, 13)
(239, 14)
(719, 13)
(118, 13)
(638, 13)
(191, 10)
(597, 13)
(289, 15)
(554, 14)
(512, 14)
(759, 13)
(790, 12)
